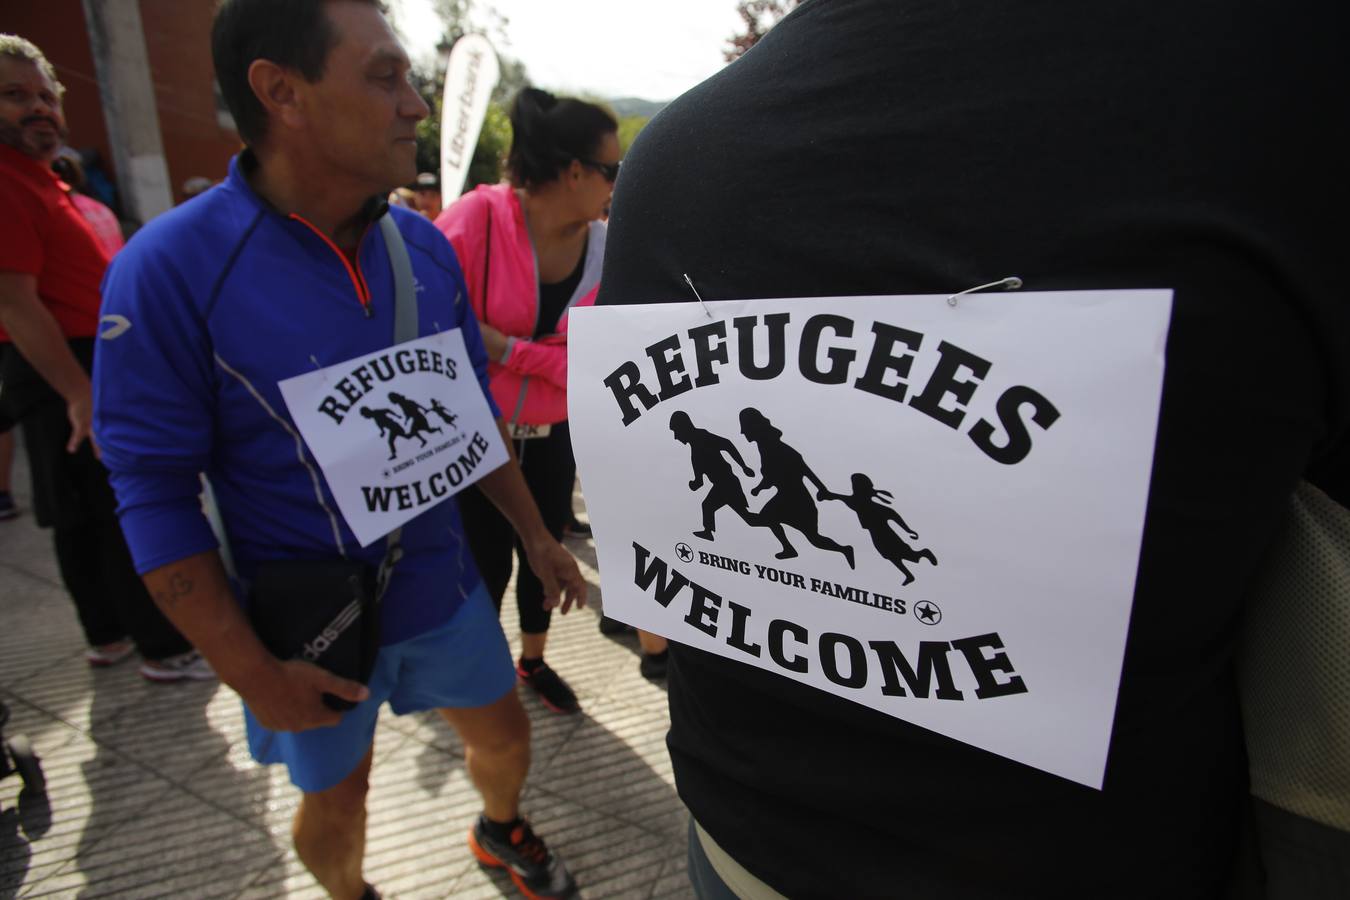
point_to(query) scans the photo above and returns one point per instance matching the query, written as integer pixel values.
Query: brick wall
(177, 38)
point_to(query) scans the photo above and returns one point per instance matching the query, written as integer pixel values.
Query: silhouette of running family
(785, 470)
(414, 423)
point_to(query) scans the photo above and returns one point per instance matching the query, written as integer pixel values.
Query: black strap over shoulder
(405, 329)
(487, 262)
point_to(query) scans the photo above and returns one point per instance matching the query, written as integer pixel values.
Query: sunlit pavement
(151, 791)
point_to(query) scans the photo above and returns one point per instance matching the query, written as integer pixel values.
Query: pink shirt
(101, 221)
(530, 387)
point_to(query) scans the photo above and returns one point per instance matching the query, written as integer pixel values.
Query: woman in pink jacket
(531, 250)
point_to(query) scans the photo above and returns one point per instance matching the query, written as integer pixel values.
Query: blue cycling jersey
(206, 310)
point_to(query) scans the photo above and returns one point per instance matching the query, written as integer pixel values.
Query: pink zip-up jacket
(530, 386)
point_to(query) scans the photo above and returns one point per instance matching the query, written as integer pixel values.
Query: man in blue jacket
(276, 272)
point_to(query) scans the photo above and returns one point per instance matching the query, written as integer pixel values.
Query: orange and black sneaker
(537, 873)
(549, 685)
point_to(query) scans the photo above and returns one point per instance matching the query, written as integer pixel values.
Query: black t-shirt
(553, 297)
(883, 147)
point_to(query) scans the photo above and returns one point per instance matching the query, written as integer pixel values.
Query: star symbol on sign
(386, 473)
(684, 552)
(928, 612)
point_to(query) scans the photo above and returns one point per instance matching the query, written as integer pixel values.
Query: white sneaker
(109, 654)
(189, 666)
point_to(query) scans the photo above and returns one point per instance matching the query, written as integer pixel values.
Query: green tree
(629, 126)
(757, 17)
(460, 17)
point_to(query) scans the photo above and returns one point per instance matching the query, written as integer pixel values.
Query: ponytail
(548, 132)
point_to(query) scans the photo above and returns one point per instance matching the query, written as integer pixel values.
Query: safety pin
(1012, 283)
(689, 281)
(317, 367)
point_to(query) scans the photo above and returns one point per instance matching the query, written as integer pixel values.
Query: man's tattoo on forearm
(179, 587)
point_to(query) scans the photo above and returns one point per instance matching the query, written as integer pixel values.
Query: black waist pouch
(322, 611)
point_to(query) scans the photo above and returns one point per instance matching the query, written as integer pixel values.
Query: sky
(607, 48)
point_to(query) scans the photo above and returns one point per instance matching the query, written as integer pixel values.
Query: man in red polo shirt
(50, 268)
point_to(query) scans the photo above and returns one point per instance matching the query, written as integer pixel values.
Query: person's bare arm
(36, 334)
(283, 695)
(556, 568)
(494, 342)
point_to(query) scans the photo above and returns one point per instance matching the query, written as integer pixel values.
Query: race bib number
(933, 511)
(397, 431)
(520, 432)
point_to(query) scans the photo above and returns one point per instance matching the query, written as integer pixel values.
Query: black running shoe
(611, 627)
(539, 874)
(653, 666)
(550, 687)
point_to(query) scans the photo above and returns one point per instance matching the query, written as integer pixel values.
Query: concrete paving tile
(673, 883)
(427, 727)
(423, 771)
(260, 796)
(621, 770)
(549, 730)
(74, 693)
(585, 660)
(415, 836)
(434, 885)
(418, 820)
(165, 727)
(478, 883)
(612, 857)
(40, 629)
(631, 876)
(642, 730)
(417, 873)
(176, 846)
(54, 827)
(631, 688)
(243, 787)
(92, 794)
(46, 733)
(153, 793)
(24, 547)
(285, 877)
(387, 738)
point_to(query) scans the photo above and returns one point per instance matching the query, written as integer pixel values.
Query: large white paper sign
(929, 509)
(397, 431)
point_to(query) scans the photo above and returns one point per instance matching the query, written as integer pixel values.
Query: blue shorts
(462, 664)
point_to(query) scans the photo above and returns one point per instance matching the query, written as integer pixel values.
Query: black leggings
(110, 598)
(72, 496)
(549, 470)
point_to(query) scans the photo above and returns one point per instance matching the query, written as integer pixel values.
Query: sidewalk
(151, 791)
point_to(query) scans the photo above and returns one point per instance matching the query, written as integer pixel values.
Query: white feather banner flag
(470, 77)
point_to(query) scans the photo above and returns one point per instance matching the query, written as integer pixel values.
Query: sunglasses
(609, 170)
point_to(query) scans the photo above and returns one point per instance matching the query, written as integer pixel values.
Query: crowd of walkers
(861, 148)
